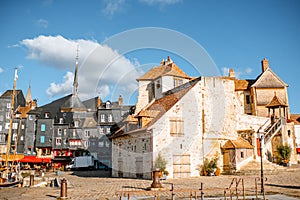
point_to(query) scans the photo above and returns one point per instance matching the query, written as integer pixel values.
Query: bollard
(63, 190)
(31, 181)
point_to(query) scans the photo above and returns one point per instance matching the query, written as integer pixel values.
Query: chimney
(264, 64)
(120, 100)
(231, 73)
(98, 102)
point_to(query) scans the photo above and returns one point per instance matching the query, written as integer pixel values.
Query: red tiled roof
(171, 69)
(276, 102)
(295, 118)
(240, 143)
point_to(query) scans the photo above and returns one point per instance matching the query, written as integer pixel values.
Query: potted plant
(209, 167)
(161, 163)
(284, 152)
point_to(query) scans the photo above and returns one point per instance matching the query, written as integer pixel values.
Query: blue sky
(41, 38)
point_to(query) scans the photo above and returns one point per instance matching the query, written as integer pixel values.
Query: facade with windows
(19, 126)
(189, 119)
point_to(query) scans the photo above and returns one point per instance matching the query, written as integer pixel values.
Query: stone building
(5, 114)
(186, 120)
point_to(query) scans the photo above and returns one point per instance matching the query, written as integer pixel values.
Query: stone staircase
(253, 168)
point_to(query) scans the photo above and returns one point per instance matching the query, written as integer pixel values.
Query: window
(76, 124)
(1, 118)
(43, 127)
(247, 99)
(42, 139)
(30, 117)
(110, 118)
(65, 131)
(100, 144)
(108, 129)
(8, 105)
(58, 141)
(14, 137)
(0, 127)
(47, 114)
(101, 130)
(107, 105)
(7, 115)
(87, 133)
(74, 133)
(242, 154)
(107, 144)
(59, 131)
(176, 127)
(22, 138)
(157, 84)
(102, 118)
(15, 126)
(177, 82)
(61, 120)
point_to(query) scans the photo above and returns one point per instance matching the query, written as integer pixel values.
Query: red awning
(34, 159)
(298, 149)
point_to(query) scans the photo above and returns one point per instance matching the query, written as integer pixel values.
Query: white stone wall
(143, 98)
(189, 109)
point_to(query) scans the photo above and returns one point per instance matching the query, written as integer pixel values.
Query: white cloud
(42, 23)
(225, 71)
(61, 88)
(238, 72)
(1, 70)
(101, 69)
(113, 6)
(248, 70)
(161, 2)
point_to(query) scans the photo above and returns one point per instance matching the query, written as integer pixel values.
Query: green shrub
(209, 166)
(161, 163)
(284, 152)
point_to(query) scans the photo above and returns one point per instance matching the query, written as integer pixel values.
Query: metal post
(31, 181)
(243, 184)
(202, 193)
(63, 191)
(172, 191)
(261, 165)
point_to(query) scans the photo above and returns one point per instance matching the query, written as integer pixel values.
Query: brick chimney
(264, 64)
(98, 102)
(120, 100)
(231, 73)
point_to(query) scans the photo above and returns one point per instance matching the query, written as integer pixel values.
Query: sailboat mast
(11, 117)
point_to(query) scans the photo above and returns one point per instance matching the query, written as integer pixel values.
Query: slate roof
(74, 103)
(276, 102)
(164, 70)
(239, 143)
(8, 93)
(243, 84)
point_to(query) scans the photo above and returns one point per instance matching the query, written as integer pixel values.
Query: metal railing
(271, 131)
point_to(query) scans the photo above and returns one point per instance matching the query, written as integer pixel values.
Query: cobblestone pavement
(92, 185)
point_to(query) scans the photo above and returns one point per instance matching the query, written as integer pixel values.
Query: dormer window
(76, 124)
(107, 105)
(47, 115)
(157, 84)
(177, 82)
